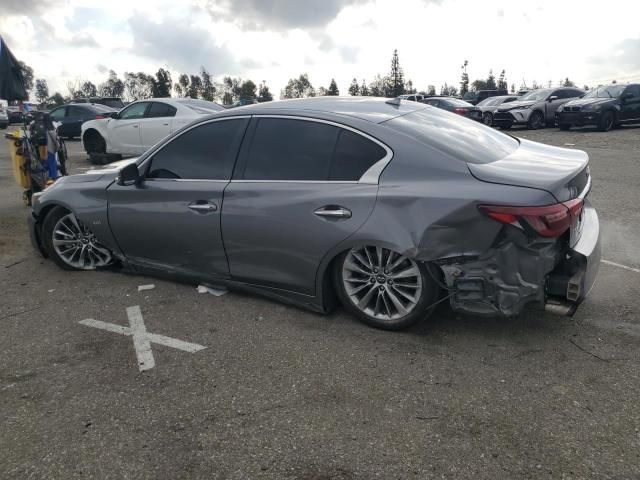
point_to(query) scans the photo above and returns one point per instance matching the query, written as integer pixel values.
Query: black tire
(487, 119)
(536, 120)
(94, 143)
(48, 226)
(607, 121)
(564, 126)
(423, 308)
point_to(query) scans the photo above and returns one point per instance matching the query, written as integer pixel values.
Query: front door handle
(333, 211)
(203, 207)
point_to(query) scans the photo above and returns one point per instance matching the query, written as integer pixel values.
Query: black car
(73, 115)
(477, 96)
(455, 105)
(604, 107)
(113, 102)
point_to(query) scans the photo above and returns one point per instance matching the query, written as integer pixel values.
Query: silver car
(535, 109)
(489, 106)
(388, 207)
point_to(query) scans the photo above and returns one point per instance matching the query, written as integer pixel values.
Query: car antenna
(394, 101)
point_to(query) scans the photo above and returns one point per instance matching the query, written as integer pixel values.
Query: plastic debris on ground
(142, 288)
(219, 291)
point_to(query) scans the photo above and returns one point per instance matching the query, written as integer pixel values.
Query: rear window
(113, 103)
(465, 139)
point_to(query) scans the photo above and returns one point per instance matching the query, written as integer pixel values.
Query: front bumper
(518, 272)
(580, 119)
(35, 234)
(514, 117)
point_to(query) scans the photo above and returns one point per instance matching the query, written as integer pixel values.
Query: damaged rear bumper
(519, 271)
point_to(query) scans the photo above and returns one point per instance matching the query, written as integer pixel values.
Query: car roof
(372, 109)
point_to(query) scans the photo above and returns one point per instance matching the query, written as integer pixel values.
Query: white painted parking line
(142, 339)
(619, 265)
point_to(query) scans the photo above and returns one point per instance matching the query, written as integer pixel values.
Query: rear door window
(353, 156)
(289, 149)
(205, 152)
(158, 109)
(75, 111)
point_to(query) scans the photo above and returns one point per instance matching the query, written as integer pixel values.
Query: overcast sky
(590, 42)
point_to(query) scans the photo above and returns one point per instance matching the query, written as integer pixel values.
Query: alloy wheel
(77, 246)
(381, 283)
(487, 119)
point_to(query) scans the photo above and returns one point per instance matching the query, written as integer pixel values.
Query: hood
(516, 104)
(581, 102)
(112, 167)
(536, 165)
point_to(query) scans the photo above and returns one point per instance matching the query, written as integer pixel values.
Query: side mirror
(129, 175)
(553, 97)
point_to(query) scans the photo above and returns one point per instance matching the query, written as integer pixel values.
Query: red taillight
(548, 221)
(100, 117)
(461, 111)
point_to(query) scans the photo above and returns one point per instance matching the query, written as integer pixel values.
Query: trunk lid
(563, 172)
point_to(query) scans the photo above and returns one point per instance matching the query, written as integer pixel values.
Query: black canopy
(11, 80)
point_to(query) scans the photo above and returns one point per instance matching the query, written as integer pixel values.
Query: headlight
(593, 108)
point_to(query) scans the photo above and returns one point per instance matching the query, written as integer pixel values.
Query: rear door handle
(333, 211)
(203, 207)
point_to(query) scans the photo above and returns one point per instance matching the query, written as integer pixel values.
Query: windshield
(200, 106)
(469, 95)
(611, 91)
(536, 95)
(487, 102)
(461, 138)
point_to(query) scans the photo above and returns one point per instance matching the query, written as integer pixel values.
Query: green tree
(502, 81)
(395, 85)
(377, 87)
(162, 83)
(322, 92)
(182, 86)
(138, 86)
(56, 99)
(298, 88)
(42, 90)
(209, 90)
(333, 89)
(27, 76)
(491, 81)
(513, 88)
(354, 88)
(264, 95)
(464, 80)
(88, 89)
(431, 90)
(364, 89)
(248, 90)
(568, 83)
(195, 86)
(112, 87)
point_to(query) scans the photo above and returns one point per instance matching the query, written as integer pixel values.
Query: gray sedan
(387, 207)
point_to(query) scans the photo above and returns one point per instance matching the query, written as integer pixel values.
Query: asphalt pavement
(282, 393)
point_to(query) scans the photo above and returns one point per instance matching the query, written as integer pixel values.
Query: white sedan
(142, 124)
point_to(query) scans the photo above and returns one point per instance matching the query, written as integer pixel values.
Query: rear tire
(70, 244)
(94, 143)
(384, 289)
(536, 120)
(607, 121)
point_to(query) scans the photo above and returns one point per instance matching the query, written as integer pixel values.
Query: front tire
(70, 243)
(94, 143)
(383, 288)
(487, 119)
(536, 120)
(607, 121)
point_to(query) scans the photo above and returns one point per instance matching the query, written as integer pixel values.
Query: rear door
(172, 219)
(299, 189)
(73, 120)
(156, 123)
(124, 131)
(551, 106)
(630, 107)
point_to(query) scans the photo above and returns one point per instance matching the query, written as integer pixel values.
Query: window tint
(284, 149)
(158, 109)
(353, 156)
(57, 114)
(73, 111)
(206, 152)
(633, 89)
(134, 111)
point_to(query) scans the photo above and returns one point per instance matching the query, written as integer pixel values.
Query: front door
(630, 107)
(171, 220)
(295, 195)
(124, 131)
